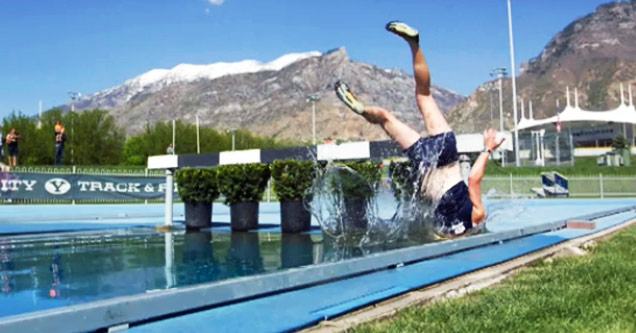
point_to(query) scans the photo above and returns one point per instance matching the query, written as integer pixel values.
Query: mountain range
(594, 54)
(268, 99)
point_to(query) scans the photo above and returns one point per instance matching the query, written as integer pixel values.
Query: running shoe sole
(346, 96)
(403, 30)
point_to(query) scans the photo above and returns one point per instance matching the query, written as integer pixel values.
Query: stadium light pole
(233, 130)
(198, 142)
(174, 135)
(313, 98)
(39, 114)
(500, 73)
(73, 95)
(491, 87)
(514, 84)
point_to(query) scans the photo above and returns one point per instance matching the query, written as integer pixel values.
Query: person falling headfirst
(459, 207)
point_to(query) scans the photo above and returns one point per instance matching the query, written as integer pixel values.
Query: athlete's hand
(491, 142)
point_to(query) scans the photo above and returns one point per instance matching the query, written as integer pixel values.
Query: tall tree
(95, 138)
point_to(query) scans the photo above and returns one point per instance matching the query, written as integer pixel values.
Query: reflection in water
(8, 266)
(296, 250)
(47, 271)
(244, 257)
(56, 276)
(168, 246)
(198, 263)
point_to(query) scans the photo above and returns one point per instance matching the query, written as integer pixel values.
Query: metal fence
(543, 148)
(83, 201)
(593, 186)
(90, 171)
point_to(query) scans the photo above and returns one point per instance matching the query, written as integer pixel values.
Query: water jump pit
(89, 267)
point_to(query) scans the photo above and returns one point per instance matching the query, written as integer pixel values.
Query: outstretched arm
(477, 173)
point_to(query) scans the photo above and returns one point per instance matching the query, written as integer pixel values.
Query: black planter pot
(294, 217)
(244, 216)
(355, 214)
(198, 215)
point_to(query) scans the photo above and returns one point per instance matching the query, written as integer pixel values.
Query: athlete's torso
(438, 181)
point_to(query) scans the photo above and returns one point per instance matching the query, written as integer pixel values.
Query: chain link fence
(544, 148)
(90, 171)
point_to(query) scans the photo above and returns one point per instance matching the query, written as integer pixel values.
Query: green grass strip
(584, 166)
(593, 293)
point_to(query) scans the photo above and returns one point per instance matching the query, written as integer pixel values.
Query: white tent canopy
(625, 113)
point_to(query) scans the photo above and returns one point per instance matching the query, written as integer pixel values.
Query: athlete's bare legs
(433, 117)
(404, 135)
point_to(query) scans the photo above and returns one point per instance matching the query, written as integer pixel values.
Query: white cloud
(216, 2)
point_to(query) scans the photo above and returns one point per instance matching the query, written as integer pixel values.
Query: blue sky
(49, 47)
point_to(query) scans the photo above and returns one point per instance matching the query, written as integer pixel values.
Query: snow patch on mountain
(157, 79)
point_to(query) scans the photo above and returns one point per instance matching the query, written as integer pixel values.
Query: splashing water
(362, 225)
(504, 211)
(341, 215)
(397, 212)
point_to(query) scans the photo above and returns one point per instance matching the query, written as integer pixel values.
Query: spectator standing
(12, 143)
(170, 150)
(60, 139)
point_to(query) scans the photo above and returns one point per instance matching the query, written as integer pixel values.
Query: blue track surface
(305, 307)
(503, 214)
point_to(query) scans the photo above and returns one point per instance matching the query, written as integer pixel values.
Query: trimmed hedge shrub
(243, 182)
(360, 184)
(292, 178)
(197, 185)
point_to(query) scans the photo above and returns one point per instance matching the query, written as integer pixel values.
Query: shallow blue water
(46, 271)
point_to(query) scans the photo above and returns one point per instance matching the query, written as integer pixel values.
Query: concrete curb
(462, 285)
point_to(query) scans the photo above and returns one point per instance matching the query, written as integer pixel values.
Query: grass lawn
(593, 293)
(583, 166)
